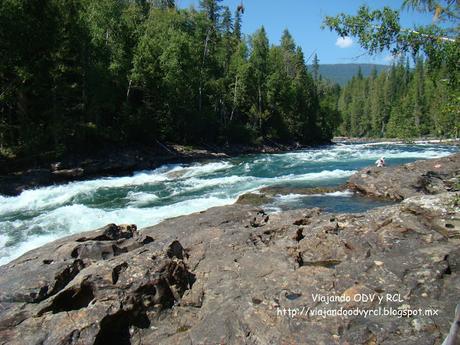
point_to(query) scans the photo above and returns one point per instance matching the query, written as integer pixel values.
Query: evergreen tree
(164, 4)
(289, 48)
(212, 9)
(237, 26)
(258, 61)
(91, 73)
(408, 96)
(315, 67)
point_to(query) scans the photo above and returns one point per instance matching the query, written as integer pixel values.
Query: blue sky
(303, 19)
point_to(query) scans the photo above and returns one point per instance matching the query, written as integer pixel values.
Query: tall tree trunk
(55, 117)
(129, 89)
(200, 87)
(260, 107)
(84, 86)
(234, 98)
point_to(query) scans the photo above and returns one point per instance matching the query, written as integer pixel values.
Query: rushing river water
(146, 198)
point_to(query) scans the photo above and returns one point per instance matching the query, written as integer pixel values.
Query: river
(38, 216)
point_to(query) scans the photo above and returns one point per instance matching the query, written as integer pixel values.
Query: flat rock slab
(421, 177)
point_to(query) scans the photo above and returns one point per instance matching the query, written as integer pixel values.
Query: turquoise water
(38, 216)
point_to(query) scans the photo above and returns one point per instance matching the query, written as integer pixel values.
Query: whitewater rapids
(41, 215)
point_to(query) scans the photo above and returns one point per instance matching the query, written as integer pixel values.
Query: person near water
(380, 162)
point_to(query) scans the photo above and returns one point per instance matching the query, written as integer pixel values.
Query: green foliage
(75, 74)
(400, 103)
(379, 30)
(404, 103)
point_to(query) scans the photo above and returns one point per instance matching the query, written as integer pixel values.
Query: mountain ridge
(342, 73)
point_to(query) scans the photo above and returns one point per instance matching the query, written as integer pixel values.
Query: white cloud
(344, 42)
(391, 58)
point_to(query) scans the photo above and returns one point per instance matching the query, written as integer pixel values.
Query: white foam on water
(367, 151)
(379, 143)
(3, 240)
(400, 142)
(345, 193)
(316, 176)
(140, 198)
(197, 183)
(285, 198)
(77, 218)
(295, 196)
(74, 218)
(290, 197)
(53, 196)
(38, 216)
(11, 253)
(339, 194)
(248, 183)
(203, 169)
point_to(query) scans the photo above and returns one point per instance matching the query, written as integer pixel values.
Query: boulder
(100, 287)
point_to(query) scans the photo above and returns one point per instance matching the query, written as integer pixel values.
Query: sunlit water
(38, 216)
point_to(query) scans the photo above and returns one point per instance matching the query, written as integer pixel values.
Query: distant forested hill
(342, 73)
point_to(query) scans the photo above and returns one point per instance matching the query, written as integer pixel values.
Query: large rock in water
(421, 177)
(236, 275)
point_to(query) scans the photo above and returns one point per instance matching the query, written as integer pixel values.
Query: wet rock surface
(255, 199)
(234, 274)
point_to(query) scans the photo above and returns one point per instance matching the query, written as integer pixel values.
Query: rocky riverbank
(431, 176)
(18, 175)
(352, 140)
(237, 275)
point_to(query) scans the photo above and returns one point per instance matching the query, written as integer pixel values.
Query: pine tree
(315, 67)
(289, 49)
(164, 4)
(307, 101)
(237, 25)
(421, 120)
(212, 9)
